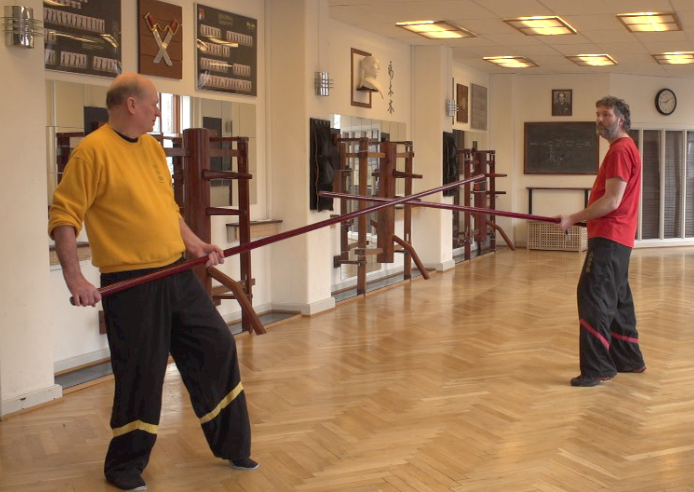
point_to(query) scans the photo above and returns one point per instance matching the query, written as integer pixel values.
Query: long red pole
(187, 265)
(445, 206)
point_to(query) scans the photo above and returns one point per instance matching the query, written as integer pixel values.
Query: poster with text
(227, 51)
(83, 36)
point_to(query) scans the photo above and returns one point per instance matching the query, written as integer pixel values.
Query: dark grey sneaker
(244, 464)
(128, 482)
(586, 381)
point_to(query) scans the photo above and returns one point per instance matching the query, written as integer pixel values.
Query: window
(667, 197)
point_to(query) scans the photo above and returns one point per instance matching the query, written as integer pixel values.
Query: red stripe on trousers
(595, 332)
(625, 339)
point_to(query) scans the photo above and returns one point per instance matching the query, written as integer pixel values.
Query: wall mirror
(376, 131)
(74, 110)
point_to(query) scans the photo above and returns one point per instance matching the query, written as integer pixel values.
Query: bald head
(127, 85)
(133, 105)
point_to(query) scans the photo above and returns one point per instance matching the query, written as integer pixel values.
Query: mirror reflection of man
(370, 67)
(561, 105)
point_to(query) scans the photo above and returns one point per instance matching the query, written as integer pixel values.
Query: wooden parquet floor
(457, 384)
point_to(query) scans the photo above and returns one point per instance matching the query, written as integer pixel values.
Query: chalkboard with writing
(561, 148)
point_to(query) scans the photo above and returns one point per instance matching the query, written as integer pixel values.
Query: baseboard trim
(307, 309)
(74, 363)
(28, 401)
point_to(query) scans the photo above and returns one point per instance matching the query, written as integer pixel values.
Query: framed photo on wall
(461, 96)
(478, 107)
(83, 37)
(227, 51)
(562, 102)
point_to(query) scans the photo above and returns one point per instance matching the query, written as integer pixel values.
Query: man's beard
(607, 132)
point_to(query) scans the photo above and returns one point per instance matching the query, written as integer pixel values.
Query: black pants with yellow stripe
(144, 324)
(609, 341)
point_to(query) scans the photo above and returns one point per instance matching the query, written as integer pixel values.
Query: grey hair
(621, 108)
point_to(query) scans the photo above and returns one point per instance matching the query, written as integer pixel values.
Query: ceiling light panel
(541, 25)
(436, 29)
(674, 58)
(511, 61)
(593, 60)
(650, 21)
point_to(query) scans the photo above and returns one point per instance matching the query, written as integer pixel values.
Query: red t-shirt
(622, 161)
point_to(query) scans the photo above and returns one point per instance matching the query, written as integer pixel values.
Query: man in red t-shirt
(609, 342)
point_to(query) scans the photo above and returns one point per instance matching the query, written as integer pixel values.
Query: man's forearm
(66, 249)
(597, 209)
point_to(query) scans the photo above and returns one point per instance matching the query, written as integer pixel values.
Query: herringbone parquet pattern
(456, 384)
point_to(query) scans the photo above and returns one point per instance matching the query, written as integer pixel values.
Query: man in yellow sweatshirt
(118, 184)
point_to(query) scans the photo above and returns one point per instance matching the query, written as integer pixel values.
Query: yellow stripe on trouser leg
(223, 404)
(136, 425)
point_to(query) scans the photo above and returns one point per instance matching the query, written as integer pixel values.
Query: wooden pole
(187, 265)
(444, 206)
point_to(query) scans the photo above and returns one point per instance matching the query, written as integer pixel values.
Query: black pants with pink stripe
(609, 342)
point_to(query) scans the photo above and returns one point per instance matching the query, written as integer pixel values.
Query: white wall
(341, 38)
(515, 100)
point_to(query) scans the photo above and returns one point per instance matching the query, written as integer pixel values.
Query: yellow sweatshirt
(122, 192)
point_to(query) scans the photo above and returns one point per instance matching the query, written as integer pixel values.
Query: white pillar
(433, 76)
(26, 343)
(301, 265)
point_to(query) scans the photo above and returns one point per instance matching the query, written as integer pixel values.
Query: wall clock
(665, 101)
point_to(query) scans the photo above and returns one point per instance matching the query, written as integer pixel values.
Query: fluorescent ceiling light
(674, 57)
(541, 25)
(650, 21)
(511, 61)
(593, 60)
(436, 29)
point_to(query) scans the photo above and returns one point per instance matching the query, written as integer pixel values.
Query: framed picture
(461, 96)
(227, 51)
(562, 102)
(478, 107)
(361, 98)
(83, 37)
(561, 148)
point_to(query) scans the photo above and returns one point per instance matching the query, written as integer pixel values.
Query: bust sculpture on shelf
(369, 70)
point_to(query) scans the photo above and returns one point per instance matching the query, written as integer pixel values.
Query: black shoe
(589, 380)
(128, 482)
(244, 464)
(637, 369)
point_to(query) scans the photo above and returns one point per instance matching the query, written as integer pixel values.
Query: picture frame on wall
(360, 97)
(478, 107)
(226, 52)
(562, 102)
(462, 103)
(83, 37)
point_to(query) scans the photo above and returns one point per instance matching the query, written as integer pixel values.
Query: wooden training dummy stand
(384, 225)
(192, 175)
(476, 226)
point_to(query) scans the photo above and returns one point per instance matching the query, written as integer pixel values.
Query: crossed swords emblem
(171, 31)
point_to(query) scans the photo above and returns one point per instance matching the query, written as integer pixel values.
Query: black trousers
(144, 324)
(609, 342)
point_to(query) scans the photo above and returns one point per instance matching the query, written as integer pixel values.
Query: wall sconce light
(323, 84)
(451, 107)
(20, 26)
